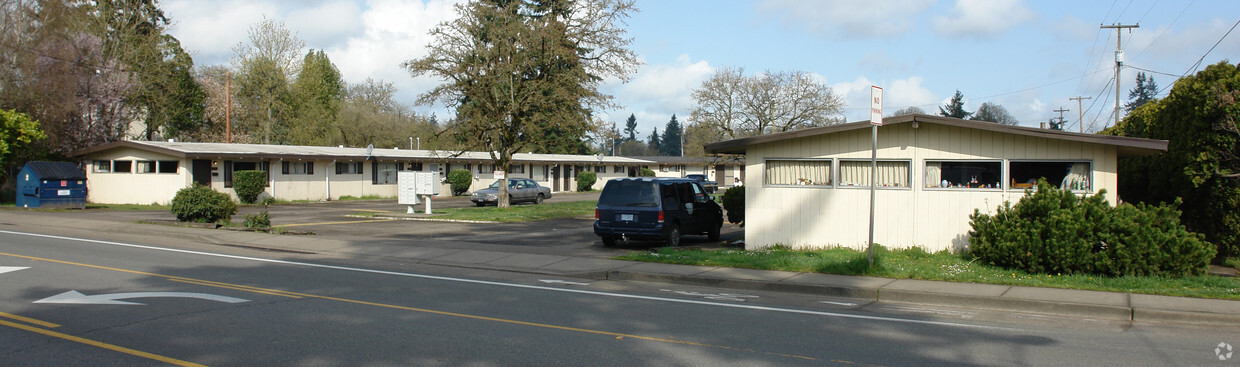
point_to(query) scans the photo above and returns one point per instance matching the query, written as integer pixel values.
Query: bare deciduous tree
(741, 106)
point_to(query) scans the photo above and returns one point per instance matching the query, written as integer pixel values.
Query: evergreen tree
(317, 94)
(654, 143)
(1143, 93)
(955, 108)
(671, 138)
(630, 127)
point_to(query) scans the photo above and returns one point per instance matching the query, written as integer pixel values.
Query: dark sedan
(519, 190)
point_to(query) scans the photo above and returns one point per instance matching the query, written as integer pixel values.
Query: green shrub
(202, 204)
(734, 203)
(586, 180)
(249, 184)
(260, 220)
(1054, 231)
(646, 172)
(460, 180)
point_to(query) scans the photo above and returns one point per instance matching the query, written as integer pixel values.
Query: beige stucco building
(810, 188)
(145, 172)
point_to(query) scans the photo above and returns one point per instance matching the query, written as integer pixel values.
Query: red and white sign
(876, 105)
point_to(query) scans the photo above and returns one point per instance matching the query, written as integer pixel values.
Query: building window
(617, 169)
(101, 166)
(348, 168)
(890, 173)
(486, 168)
(168, 166)
(384, 173)
(964, 174)
(540, 174)
(297, 168)
(1066, 175)
(518, 168)
(122, 166)
(146, 166)
(230, 167)
(414, 166)
(798, 172)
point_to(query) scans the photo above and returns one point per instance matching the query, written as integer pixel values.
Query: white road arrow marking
(561, 282)
(75, 297)
(6, 269)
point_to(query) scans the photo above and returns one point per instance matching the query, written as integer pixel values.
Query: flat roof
(1128, 146)
(271, 151)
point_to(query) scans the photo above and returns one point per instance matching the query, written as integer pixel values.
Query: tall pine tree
(955, 107)
(654, 142)
(1143, 93)
(670, 146)
(630, 127)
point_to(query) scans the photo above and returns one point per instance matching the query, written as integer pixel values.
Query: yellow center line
(29, 320)
(340, 222)
(99, 344)
(618, 336)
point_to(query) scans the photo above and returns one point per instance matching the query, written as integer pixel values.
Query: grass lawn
(520, 212)
(917, 264)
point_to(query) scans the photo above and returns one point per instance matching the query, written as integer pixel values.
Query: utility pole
(1059, 125)
(1079, 112)
(1119, 58)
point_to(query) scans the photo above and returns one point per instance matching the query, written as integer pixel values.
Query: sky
(1028, 56)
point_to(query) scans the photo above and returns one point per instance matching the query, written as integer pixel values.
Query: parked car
(710, 186)
(650, 208)
(519, 190)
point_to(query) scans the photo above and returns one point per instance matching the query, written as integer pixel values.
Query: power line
(1193, 69)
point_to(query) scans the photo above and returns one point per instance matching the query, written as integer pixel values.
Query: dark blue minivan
(650, 208)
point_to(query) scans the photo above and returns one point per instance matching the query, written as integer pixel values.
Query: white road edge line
(474, 281)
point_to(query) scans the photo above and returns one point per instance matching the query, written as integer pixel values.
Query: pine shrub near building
(248, 185)
(460, 180)
(586, 180)
(202, 204)
(1054, 231)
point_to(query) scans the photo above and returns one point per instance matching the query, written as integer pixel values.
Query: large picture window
(964, 174)
(231, 166)
(348, 168)
(798, 172)
(384, 173)
(890, 173)
(1068, 175)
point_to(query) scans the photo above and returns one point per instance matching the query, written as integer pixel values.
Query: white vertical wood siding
(135, 188)
(935, 219)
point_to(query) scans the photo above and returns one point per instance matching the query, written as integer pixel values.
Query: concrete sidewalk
(1063, 302)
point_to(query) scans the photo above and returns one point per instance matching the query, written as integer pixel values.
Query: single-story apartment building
(810, 188)
(145, 172)
(726, 170)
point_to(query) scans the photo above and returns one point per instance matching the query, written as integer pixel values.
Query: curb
(831, 291)
(1004, 304)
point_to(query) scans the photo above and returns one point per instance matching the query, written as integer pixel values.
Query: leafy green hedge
(734, 202)
(460, 180)
(1054, 231)
(646, 172)
(202, 204)
(586, 180)
(249, 184)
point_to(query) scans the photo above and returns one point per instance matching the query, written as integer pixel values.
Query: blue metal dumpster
(51, 185)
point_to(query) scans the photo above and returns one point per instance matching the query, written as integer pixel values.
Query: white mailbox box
(411, 184)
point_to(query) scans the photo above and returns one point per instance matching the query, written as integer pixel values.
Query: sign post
(876, 120)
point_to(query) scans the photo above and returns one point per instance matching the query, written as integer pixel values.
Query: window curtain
(890, 174)
(934, 174)
(814, 173)
(1077, 177)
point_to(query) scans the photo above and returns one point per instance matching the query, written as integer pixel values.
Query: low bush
(202, 204)
(260, 220)
(460, 180)
(1053, 231)
(734, 202)
(646, 172)
(248, 185)
(586, 180)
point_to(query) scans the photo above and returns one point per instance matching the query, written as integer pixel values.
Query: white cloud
(326, 24)
(660, 90)
(896, 95)
(847, 19)
(208, 30)
(982, 18)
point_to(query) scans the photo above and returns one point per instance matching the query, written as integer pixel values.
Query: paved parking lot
(565, 237)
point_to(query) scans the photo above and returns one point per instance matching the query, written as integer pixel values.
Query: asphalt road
(224, 309)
